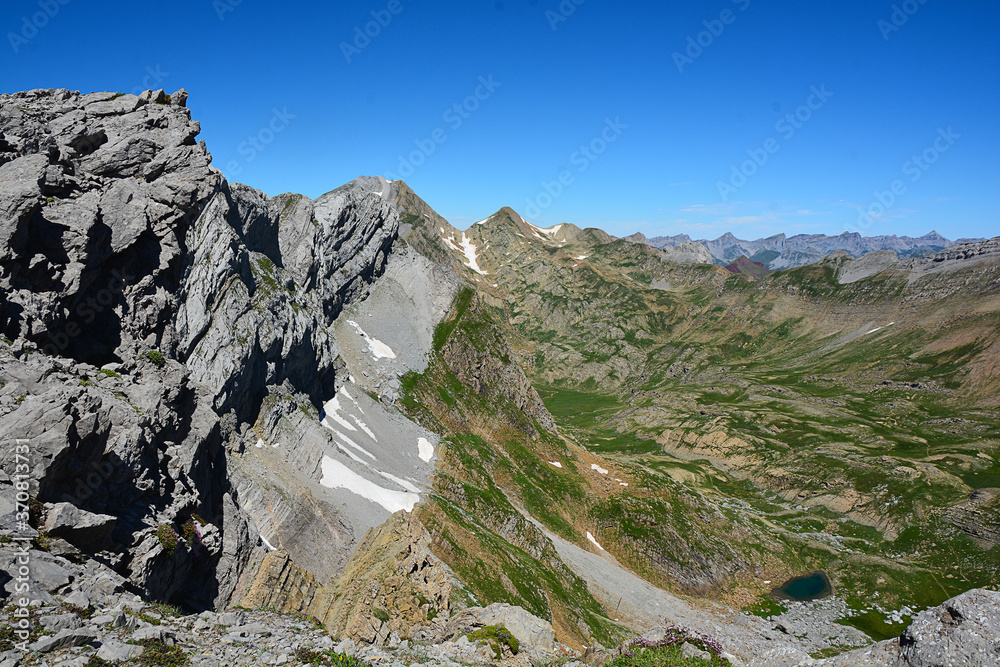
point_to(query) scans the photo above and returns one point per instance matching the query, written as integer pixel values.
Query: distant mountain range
(786, 252)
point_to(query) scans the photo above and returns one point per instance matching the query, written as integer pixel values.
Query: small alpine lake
(813, 586)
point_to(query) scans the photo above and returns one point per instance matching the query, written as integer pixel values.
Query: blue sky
(592, 94)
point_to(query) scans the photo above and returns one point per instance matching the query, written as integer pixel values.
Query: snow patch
(581, 257)
(594, 466)
(376, 348)
(270, 547)
(593, 541)
(555, 463)
(467, 248)
(338, 476)
(332, 410)
(260, 443)
(425, 450)
(880, 328)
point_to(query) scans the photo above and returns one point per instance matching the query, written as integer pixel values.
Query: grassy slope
(759, 437)
(487, 465)
(807, 414)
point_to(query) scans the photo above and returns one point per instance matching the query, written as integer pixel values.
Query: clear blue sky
(892, 91)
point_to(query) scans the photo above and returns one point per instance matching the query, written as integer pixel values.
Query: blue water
(812, 586)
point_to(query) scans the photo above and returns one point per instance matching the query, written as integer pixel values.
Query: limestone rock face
(150, 309)
(98, 193)
(392, 585)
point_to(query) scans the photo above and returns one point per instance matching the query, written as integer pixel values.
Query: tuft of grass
(156, 357)
(328, 657)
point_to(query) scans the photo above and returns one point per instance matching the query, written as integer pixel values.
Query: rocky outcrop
(979, 516)
(868, 265)
(687, 253)
(482, 359)
(528, 629)
(392, 585)
(99, 193)
(965, 630)
(151, 308)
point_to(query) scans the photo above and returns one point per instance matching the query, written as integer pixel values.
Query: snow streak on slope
(338, 476)
(594, 541)
(467, 248)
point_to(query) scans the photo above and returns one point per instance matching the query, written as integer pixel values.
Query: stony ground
(122, 632)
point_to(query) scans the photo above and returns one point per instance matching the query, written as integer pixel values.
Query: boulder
(115, 651)
(529, 630)
(79, 527)
(64, 639)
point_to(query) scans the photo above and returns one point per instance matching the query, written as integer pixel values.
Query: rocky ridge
(176, 312)
(786, 252)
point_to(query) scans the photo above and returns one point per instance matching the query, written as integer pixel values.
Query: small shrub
(155, 653)
(193, 538)
(317, 624)
(381, 614)
(109, 373)
(328, 657)
(168, 537)
(94, 661)
(156, 357)
(496, 636)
